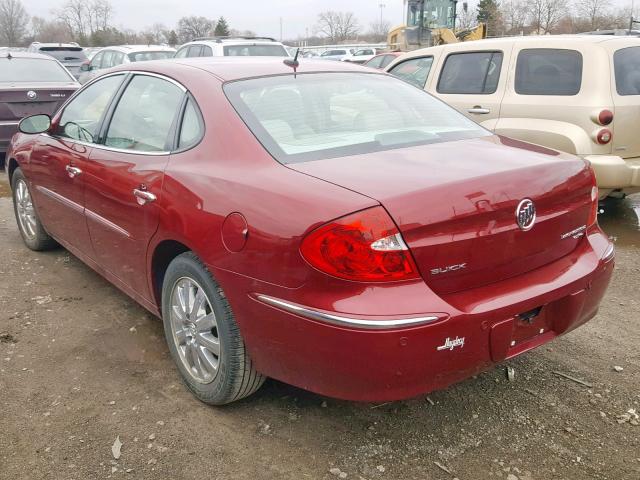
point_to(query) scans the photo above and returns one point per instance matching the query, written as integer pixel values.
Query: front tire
(33, 233)
(202, 334)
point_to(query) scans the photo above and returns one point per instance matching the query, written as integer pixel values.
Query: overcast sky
(260, 16)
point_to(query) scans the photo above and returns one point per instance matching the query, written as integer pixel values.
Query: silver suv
(232, 47)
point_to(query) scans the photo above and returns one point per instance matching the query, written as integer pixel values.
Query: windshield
(255, 51)
(327, 115)
(32, 70)
(143, 56)
(65, 54)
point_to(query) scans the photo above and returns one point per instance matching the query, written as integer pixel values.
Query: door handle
(143, 197)
(73, 171)
(478, 110)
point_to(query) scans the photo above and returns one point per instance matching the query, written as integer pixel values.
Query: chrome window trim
(5, 124)
(344, 321)
(99, 146)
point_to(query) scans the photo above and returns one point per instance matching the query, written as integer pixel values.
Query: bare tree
(194, 27)
(43, 30)
(466, 18)
(546, 14)
(379, 30)
(99, 15)
(515, 14)
(156, 34)
(13, 22)
(594, 11)
(337, 26)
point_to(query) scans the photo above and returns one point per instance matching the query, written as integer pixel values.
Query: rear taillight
(365, 246)
(603, 136)
(603, 117)
(593, 212)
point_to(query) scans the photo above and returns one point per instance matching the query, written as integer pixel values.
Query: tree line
(90, 23)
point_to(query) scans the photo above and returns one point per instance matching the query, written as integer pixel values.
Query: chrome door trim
(61, 199)
(344, 321)
(107, 223)
(7, 124)
(103, 147)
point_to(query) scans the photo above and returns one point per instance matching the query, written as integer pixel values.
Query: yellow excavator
(429, 23)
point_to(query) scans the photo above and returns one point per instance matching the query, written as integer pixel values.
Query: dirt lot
(81, 364)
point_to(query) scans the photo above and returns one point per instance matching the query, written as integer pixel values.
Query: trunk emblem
(451, 344)
(526, 214)
(31, 94)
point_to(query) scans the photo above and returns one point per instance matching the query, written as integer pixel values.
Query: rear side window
(182, 53)
(207, 51)
(81, 118)
(375, 62)
(414, 71)
(545, 71)
(144, 115)
(470, 73)
(194, 51)
(191, 129)
(626, 64)
(386, 60)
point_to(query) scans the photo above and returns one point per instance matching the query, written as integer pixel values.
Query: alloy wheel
(195, 330)
(25, 210)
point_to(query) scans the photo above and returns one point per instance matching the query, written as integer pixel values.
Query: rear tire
(33, 233)
(202, 334)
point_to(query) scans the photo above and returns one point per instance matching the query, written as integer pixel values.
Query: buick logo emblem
(31, 94)
(526, 214)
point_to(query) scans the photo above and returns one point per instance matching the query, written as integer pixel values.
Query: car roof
(53, 44)
(536, 41)
(236, 68)
(38, 56)
(235, 40)
(140, 48)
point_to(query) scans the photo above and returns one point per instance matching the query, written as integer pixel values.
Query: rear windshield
(143, 56)
(334, 52)
(65, 54)
(626, 64)
(255, 51)
(327, 115)
(32, 70)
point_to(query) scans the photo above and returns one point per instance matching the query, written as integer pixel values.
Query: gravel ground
(82, 365)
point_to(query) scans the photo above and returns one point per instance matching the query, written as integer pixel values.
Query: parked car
(380, 61)
(372, 244)
(232, 47)
(112, 56)
(90, 52)
(339, 54)
(575, 93)
(30, 83)
(362, 56)
(71, 55)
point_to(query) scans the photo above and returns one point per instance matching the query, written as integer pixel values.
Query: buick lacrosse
(319, 223)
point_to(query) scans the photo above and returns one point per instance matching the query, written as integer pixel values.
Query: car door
(474, 83)
(123, 178)
(58, 161)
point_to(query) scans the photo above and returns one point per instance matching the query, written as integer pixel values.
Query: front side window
(626, 62)
(207, 51)
(255, 51)
(375, 62)
(118, 58)
(144, 115)
(194, 51)
(414, 71)
(107, 59)
(97, 61)
(470, 73)
(327, 115)
(32, 70)
(386, 60)
(182, 53)
(81, 118)
(546, 71)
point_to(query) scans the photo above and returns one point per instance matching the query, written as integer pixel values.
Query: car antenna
(293, 63)
(9, 56)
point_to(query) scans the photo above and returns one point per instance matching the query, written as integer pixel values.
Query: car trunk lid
(455, 204)
(19, 101)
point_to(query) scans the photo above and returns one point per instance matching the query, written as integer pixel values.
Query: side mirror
(85, 67)
(35, 124)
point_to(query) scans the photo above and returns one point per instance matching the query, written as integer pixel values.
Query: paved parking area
(81, 365)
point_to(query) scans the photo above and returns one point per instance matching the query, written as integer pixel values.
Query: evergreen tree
(172, 38)
(222, 28)
(489, 14)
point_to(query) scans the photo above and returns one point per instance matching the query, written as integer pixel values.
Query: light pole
(382, 6)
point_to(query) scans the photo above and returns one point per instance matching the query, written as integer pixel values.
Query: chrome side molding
(343, 321)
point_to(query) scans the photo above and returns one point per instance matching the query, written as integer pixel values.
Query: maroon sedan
(30, 83)
(327, 225)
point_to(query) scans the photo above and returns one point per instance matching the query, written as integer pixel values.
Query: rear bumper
(615, 173)
(480, 329)
(7, 130)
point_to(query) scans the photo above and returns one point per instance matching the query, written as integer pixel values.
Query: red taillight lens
(593, 212)
(365, 246)
(605, 117)
(604, 136)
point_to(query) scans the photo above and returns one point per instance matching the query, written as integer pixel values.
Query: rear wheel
(33, 233)
(203, 337)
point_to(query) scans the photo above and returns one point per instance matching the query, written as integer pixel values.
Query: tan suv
(578, 94)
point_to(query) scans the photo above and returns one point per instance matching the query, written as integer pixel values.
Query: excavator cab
(428, 23)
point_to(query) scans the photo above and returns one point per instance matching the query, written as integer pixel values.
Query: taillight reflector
(365, 246)
(605, 117)
(593, 212)
(604, 136)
